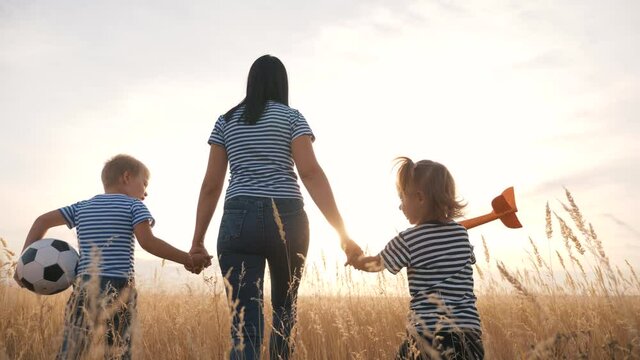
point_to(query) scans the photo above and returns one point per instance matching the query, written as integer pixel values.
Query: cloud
(553, 58)
(626, 226)
(622, 172)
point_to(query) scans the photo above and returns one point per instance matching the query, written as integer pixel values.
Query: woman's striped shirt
(105, 223)
(259, 155)
(438, 258)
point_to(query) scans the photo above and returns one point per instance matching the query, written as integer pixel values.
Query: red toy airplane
(504, 208)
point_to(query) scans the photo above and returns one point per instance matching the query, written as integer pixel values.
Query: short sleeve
(69, 213)
(395, 255)
(299, 126)
(140, 213)
(217, 135)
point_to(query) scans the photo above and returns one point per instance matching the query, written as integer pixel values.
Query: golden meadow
(568, 304)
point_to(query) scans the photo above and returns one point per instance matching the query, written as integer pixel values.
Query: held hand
(351, 249)
(358, 263)
(199, 262)
(198, 250)
(368, 263)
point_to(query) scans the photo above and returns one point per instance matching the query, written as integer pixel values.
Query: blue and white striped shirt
(105, 222)
(259, 155)
(438, 258)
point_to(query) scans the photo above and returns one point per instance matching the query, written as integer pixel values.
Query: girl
(438, 257)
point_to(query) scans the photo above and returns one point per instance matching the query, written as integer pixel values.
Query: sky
(537, 95)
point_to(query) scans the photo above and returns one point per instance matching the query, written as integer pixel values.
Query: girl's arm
(369, 263)
(209, 195)
(162, 249)
(316, 182)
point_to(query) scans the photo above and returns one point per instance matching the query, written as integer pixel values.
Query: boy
(106, 225)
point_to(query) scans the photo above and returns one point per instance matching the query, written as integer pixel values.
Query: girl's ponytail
(405, 175)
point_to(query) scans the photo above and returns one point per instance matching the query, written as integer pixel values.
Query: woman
(262, 138)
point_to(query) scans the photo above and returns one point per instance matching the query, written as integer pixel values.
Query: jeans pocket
(231, 225)
(296, 221)
(296, 229)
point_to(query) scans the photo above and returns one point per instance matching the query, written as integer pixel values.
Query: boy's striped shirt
(105, 222)
(259, 155)
(438, 258)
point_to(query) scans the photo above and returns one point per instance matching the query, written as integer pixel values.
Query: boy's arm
(43, 223)
(39, 228)
(159, 247)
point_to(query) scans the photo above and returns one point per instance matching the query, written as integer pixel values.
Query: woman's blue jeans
(249, 239)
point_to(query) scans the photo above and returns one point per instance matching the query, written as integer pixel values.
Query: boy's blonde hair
(118, 165)
(435, 182)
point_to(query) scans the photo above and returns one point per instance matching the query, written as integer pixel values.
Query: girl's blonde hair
(435, 182)
(118, 165)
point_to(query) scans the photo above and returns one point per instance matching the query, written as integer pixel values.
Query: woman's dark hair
(267, 80)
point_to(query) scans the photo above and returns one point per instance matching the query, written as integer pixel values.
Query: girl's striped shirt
(259, 155)
(438, 258)
(105, 223)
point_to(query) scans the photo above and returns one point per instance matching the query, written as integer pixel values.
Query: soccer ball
(47, 266)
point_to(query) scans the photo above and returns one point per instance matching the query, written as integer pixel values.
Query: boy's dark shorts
(99, 311)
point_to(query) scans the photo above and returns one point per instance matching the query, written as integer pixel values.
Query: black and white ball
(47, 266)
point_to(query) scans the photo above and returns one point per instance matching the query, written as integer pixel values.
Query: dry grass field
(581, 306)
